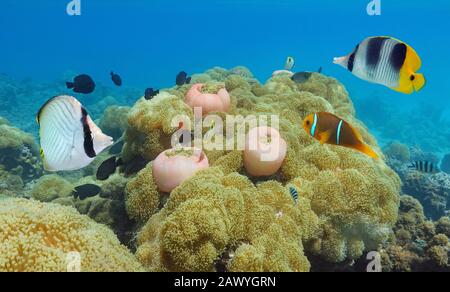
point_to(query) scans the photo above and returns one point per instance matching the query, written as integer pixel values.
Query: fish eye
(308, 122)
(412, 78)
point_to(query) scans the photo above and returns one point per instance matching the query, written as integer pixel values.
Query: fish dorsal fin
(41, 110)
(356, 133)
(412, 58)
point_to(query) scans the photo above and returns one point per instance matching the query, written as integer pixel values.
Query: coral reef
(38, 237)
(431, 189)
(106, 208)
(142, 196)
(10, 184)
(220, 219)
(445, 164)
(51, 187)
(397, 151)
(18, 153)
(114, 121)
(214, 212)
(417, 244)
(150, 127)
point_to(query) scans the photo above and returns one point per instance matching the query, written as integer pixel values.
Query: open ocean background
(149, 42)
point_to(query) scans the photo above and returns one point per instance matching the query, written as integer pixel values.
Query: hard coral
(106, 208)
(19, 153)
(51, 187)
(38, 237)
(418, 244)
(114, 121)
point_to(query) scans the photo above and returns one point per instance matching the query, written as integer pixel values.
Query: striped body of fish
(69, 138)
(294, 194)
(424, 166)
(386, 61)
(330, 129)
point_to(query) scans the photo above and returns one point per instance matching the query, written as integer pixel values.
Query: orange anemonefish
(386, 61)
(330, 129)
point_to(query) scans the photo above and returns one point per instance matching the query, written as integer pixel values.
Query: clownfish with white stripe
(69, 139)
(330, 129)
(386, 61)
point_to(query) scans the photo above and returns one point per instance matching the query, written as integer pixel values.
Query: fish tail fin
(368, 151)
(70, 85)
(419, 81)
(340, 60)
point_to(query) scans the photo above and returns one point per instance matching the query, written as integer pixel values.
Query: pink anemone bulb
(265, 151)
(283, 72)
(172, 167)
(209, 97)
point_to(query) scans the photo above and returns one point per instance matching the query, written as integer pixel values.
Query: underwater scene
(224, 136)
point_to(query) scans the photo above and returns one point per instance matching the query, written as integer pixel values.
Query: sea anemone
(174, 166)
(210, 97)
(265, 151)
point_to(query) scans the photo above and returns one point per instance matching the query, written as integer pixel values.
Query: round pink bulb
(264, 152)
(170, 169)
(209, 102)
(283, 72)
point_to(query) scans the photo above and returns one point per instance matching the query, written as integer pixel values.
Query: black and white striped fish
(294, 194)
(70, 140)
(386, 61)
(424, 166)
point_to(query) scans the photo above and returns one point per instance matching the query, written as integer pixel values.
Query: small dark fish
(294, 194)
(301, 77)
(320, 70)
(82, 84)
(86, 191)
(119, 162)
(107, 168)
(135, 165)
(424, 166)
(116, 79)
(116, 148)
(150, 93)
(183, 78)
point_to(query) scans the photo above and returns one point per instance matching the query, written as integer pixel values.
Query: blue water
(148, 42)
